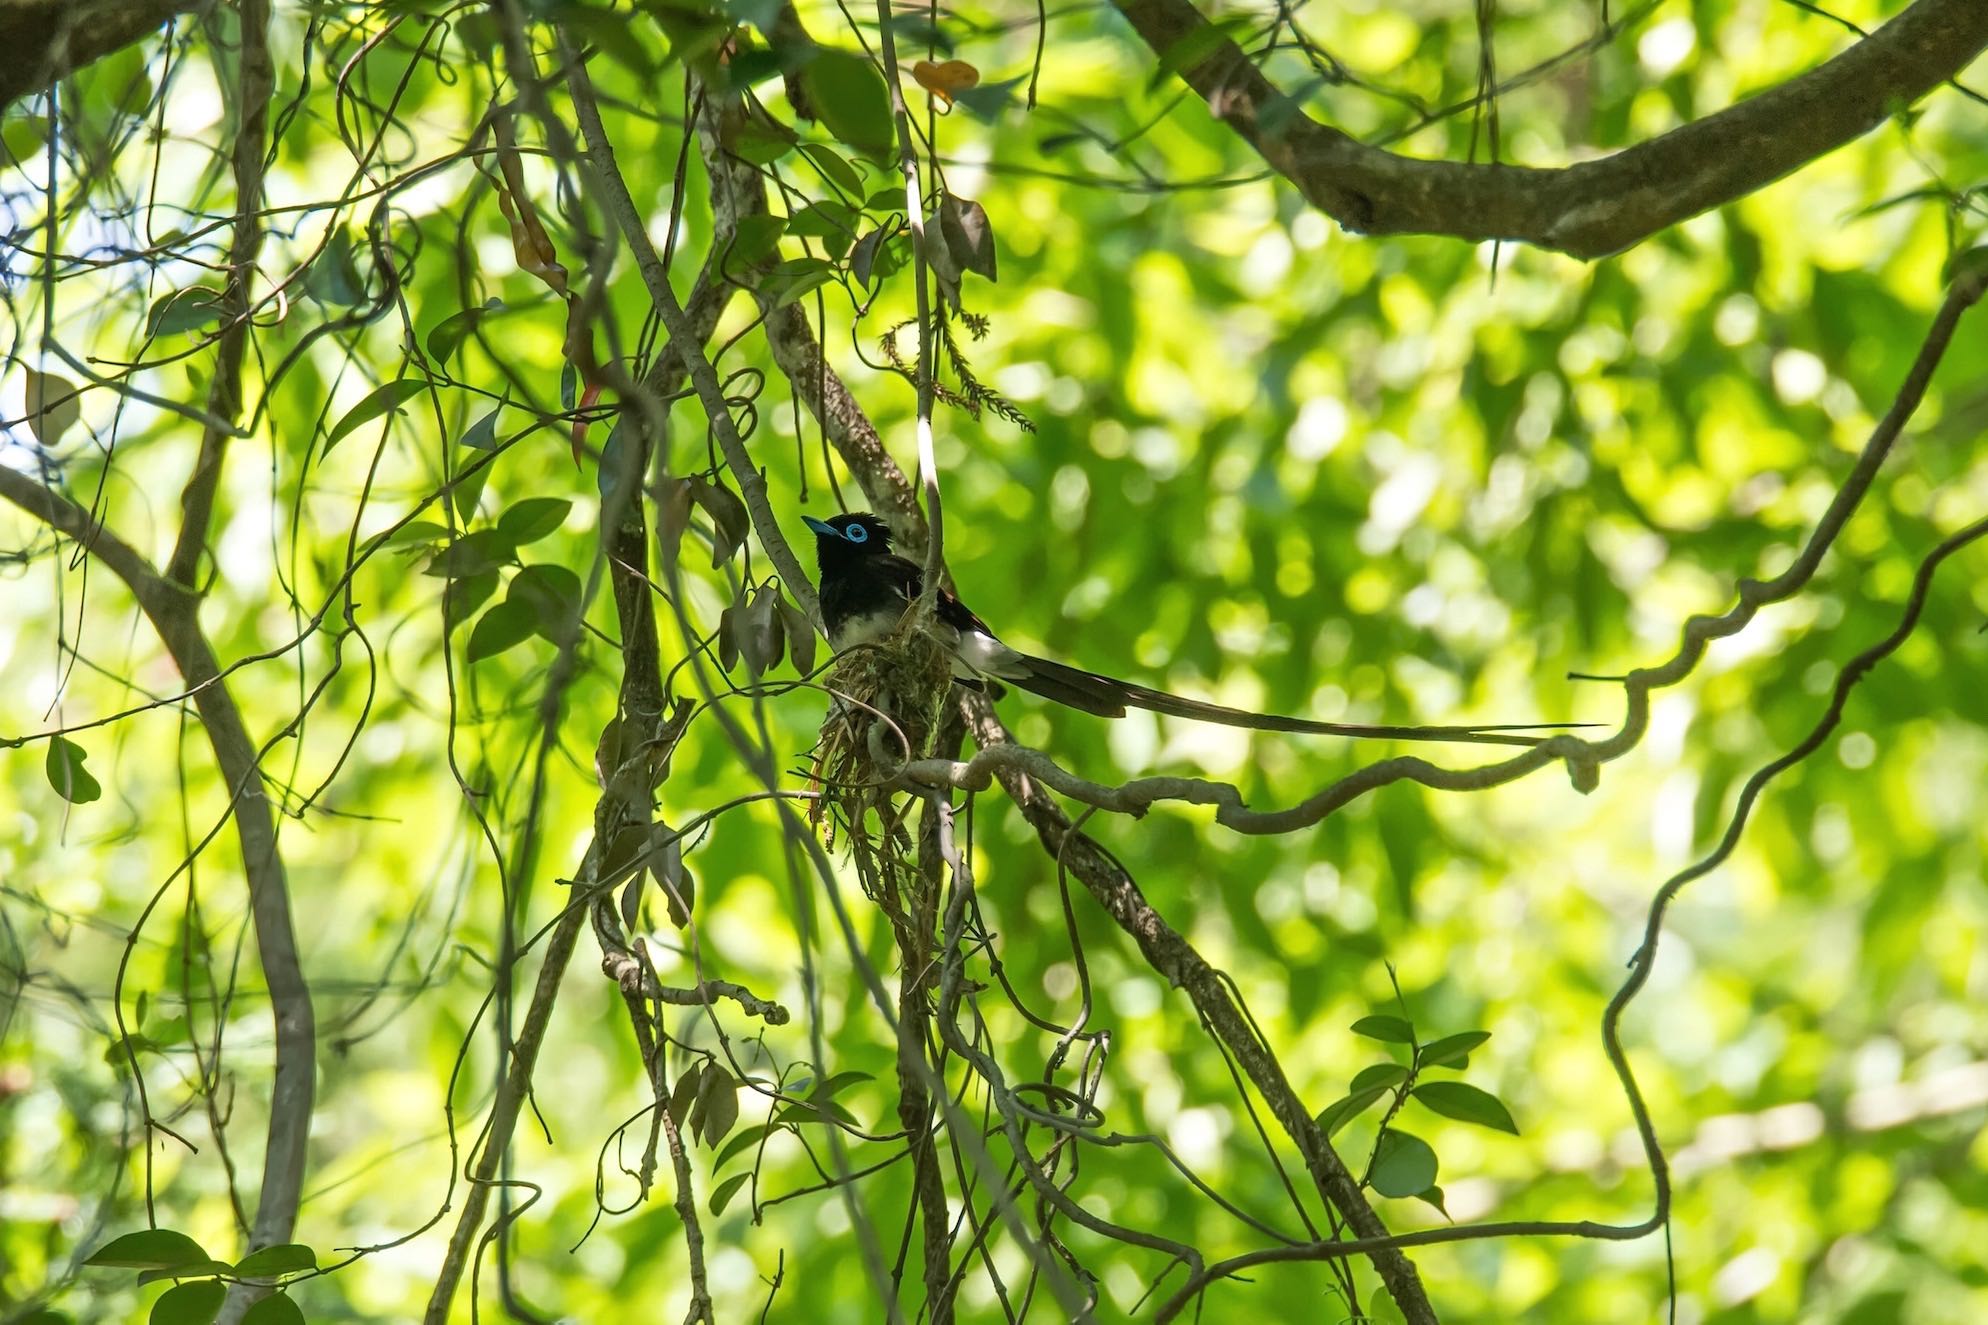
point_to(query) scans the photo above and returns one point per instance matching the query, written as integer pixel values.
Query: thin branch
(914, 211)
(1174, 958)
(224, 396)
(611, 192)
(175, 616)
(1592, 208)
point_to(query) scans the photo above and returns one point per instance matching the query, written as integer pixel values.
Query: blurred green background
(1273, 464)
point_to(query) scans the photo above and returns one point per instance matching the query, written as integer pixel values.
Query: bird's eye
(855, 533)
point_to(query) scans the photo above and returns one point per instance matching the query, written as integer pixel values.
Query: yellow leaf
(946, 80)
(53, 406)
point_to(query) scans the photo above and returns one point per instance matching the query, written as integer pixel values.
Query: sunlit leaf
(53, 406)
(64, 768)
(192, 309)
(334, 277)
(448, 335)
(381, 401)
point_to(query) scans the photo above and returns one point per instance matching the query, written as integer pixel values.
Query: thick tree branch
(43, 40)
(1593, 208)
(174, 615)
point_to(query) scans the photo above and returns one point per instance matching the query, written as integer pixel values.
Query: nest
(887, 700)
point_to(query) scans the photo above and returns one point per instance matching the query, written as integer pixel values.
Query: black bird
(866, 589)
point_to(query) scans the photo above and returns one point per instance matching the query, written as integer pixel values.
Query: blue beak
(820, 526)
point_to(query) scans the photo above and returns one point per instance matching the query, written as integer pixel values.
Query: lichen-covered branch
(1592, 208)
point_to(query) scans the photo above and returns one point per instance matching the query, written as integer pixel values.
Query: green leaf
(727, 1189)
(482, 435)
(1340, 1112)
(863, 258)
(473, 554)
(335, 277)
(64, 766)
(849, 97)
(753, 242)
(684, 1095)
(1404, 1165)
(196, 1303)
(834, 168)
(760, 140)
(551, 594)
(795, 277)
(1451, 1050)
(1384, 1075)
(184, 310)
(149, 1249)
(284, 1258)
(988, 100)
(748, 1139)
(1382, 1309)
(276, 1309)
(468, 491)
(969, 238)
(728, 516)
(195, 1270)
(54, 404)
(449, 334)
(720, 1097)
(1434, 1196)
(465, 595)
(25, 135)
(1467, 1104)
(1392, 1029)
(825, 220)
(533, 518)
(416, 533)
(1969, 264)
(504, 626)
(383, 400)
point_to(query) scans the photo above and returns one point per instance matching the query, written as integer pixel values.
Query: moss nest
(887, 698)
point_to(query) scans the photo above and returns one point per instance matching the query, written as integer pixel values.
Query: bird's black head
(847, 538)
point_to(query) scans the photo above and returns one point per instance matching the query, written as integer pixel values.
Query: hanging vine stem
(914, 211)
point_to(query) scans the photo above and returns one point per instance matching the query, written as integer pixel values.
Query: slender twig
(174, 615)
(914, 211)
(224, 393)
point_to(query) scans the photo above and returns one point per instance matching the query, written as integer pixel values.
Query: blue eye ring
(855, 533)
